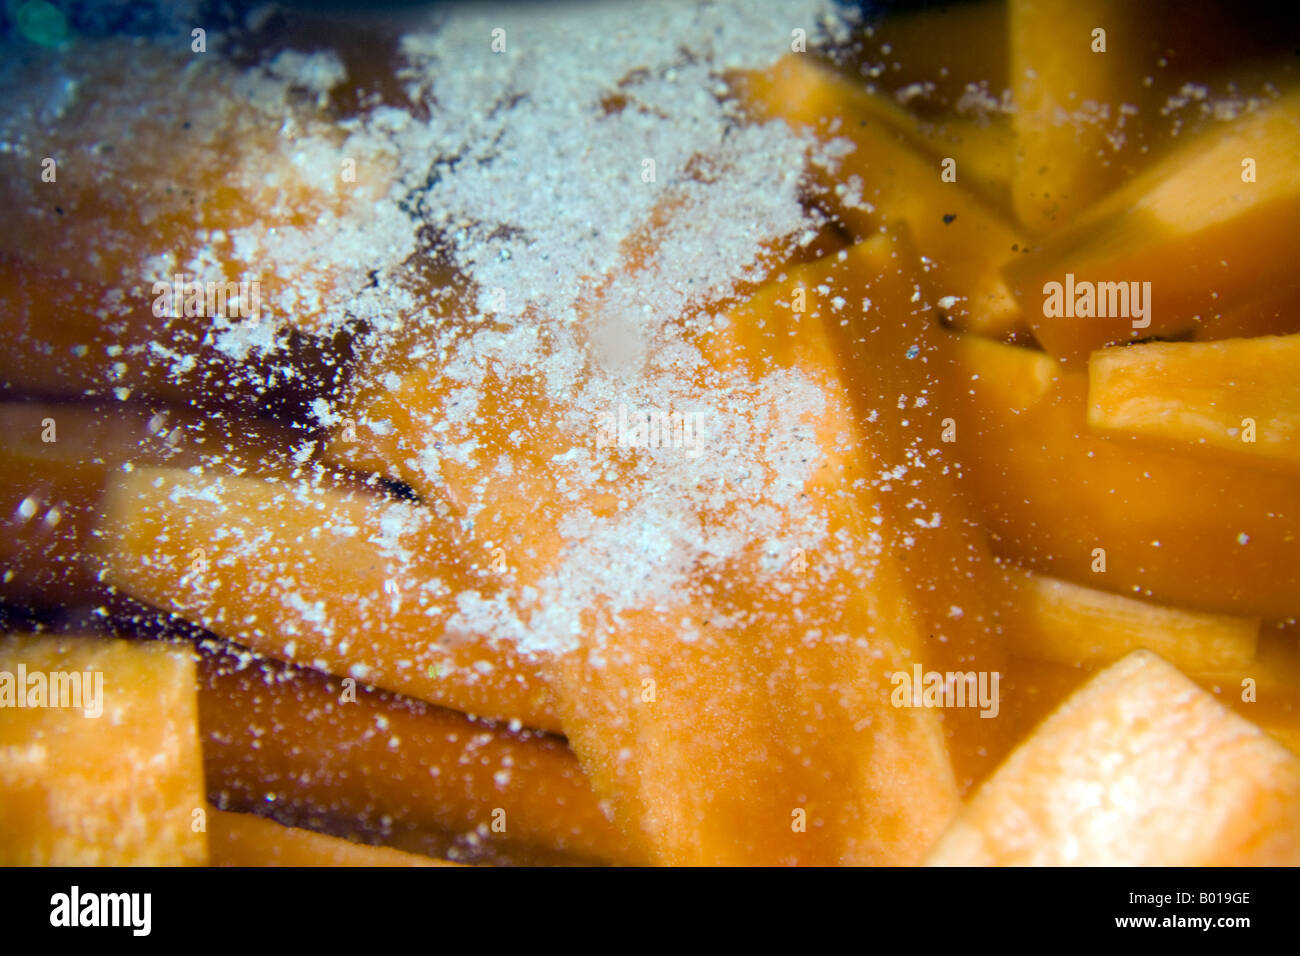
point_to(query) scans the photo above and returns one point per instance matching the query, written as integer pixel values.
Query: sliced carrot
(811, 95)
(650, 747)
(133, 188)
(1178, 530)
(825, 704)
(1139, 767)
(344, 581)
(245, 839)
(370, 765)
(72, 337)
(110, 199)
(1069, 86)
(1263, 690)
(1260, 690)
(1237, 400)
(899, 367)
(1096, 85)
(1056, 620)
(888, 177)
(56, 460)
(1199, 234)
(113, 775)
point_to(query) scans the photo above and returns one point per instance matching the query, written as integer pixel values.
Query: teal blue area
(40, 22)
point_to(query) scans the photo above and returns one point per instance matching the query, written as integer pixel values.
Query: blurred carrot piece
(889, 176)
(1202, 231)
(1068, 623)
(244, 839)
(1236, 400)
(112, 775)
(1139, 767)
(362, 763)
(1175, 529)
(345, 581)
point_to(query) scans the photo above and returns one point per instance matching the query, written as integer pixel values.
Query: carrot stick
(103, 767)
(56, 459)
(654, 689)
(1138, 767)
(343, 581)
(244, 839)
(370, 765)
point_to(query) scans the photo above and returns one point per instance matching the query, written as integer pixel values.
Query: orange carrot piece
(115, 781)
(245, 839)
(363, 763)
(347, 582)
(56, 461)
(1139, 767)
